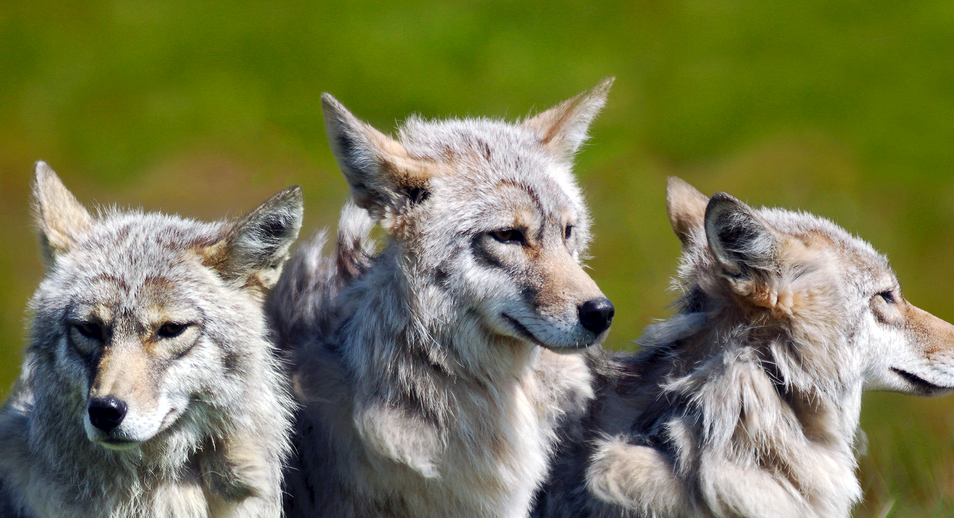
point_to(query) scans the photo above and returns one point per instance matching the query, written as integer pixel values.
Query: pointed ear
(383, 177)
(254, 247)
(686, 207)
(58, 215)
(741, 242)
(563, 128)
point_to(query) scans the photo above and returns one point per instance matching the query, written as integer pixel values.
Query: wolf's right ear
(563, 128)
(384, 178)
(58, 215)
(686, 207)
(254, 247)
(743, 245)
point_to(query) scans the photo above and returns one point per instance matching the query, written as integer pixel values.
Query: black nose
(596, 315)
(107, 412)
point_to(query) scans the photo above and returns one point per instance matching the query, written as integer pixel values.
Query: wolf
(150, 386)
(432, 370)
(747, 401)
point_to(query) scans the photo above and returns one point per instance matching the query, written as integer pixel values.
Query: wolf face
(747, 401)
(835, 294)
(490, 212)
(138, 318)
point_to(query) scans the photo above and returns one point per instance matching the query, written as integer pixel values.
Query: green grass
(840, 107)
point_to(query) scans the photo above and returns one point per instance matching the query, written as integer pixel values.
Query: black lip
(920, 383)
(531, 338)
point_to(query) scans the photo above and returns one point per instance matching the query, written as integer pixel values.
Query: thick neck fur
(441, 425)
(746, 394)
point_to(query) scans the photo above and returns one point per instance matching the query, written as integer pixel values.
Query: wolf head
(825, 299)
(486, 213)
(142, 318)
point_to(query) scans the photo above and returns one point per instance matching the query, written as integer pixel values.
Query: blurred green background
(844, 108)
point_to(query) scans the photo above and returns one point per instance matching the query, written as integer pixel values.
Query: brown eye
(568, 232)
(90, 330)
(510, 236)
(171, 330)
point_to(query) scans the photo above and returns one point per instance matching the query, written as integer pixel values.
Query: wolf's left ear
(563, 128)
(255, 247)
(743, 245)
(59, 217)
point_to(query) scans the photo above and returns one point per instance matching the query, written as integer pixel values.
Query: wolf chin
(747, 401)
(150, 387)
(432, 373)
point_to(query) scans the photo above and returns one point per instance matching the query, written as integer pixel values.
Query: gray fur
(747, 401)
(164, 314)
(432, 372)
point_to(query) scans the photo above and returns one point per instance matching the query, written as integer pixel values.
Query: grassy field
(844, 108)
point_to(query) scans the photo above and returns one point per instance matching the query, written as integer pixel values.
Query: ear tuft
(383, 177)
(256, 246)
(740, 241)
(59, 217)
(563, 128)
(686, 207)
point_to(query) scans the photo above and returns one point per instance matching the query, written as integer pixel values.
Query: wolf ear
(254, 247)
(563, 128)
(686, 207)
(58, 215)
(741, 242)
(383, 177)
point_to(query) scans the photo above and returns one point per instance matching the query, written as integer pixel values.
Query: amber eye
(91, 330)
(171, 330)
(509, 236)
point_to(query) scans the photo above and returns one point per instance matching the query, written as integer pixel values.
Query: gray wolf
(150, 386)
(747, 401)
(432, 373)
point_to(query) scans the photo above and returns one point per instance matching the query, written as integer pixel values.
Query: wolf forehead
(810, 228)
(488, 150)
(822, 235)
(487, 165)
(132, 247)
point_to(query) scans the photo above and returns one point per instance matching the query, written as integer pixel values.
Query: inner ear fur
(383, 177)
(563, 128)
(254, 248)
(686, 207)
(742, 244)
(59, 217)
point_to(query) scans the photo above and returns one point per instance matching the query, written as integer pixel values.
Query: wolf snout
(596, 315)
(106, 413)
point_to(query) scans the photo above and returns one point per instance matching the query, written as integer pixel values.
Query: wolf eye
(171, 330)
(509, 236)
(888, 297)
(91, 330)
